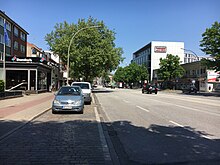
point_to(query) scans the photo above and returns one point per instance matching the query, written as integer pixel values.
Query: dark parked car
(149, 89)
(68, 98)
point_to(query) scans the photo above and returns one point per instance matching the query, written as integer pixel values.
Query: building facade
(25, 66)
(17, 37)
(150, 54)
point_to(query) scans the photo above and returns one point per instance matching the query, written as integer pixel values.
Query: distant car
(86, 89)
(68, 98)
(149, 89)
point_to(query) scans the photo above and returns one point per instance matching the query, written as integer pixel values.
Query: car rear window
(82, 85)
(69, 91)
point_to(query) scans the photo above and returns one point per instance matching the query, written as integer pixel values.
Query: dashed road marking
(175, 123)
(142, 108)
(126, 101)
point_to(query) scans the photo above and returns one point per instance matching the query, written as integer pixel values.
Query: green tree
(210, 44)
(131, 74)
(119, 75)
(92, 51)
(170, 68)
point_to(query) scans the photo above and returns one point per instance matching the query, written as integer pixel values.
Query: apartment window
(8, 26)
(1, 21)
(1, 56)
(16, 31)
(16, 45)
(1, 39)
(8, 43)
(34, 51)
(22, 48)
(22, 35)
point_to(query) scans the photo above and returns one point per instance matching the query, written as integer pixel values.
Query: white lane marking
(175, 123)
(126, 101)
(210, 113)
(198, 110)
(102, 137)
(142, 108)
(93, 100)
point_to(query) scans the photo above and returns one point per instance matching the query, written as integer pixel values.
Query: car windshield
(82, 85)
(69, 91)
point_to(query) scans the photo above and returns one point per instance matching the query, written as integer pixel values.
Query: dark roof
(13, 22)
(143, 48)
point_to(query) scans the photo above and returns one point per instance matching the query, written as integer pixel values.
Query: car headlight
(56, 102)
(78, 103)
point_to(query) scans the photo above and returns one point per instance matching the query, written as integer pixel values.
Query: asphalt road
(164, 128)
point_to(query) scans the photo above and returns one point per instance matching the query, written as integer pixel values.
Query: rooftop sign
(160, 49)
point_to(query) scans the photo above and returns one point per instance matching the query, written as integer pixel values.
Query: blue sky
(136, 22)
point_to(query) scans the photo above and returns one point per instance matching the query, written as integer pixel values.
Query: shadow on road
(77, 141)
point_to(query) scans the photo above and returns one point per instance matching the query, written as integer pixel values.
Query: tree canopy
(131, 74)
(92, 50)
(210, 44)
(170, 68)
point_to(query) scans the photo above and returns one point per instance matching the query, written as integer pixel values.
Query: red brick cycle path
(6, 111)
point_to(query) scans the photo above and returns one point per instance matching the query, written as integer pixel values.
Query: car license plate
(67, 107)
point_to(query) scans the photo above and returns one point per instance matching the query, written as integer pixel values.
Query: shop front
(27, 74)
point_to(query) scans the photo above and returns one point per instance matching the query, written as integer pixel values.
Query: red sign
(160, 49)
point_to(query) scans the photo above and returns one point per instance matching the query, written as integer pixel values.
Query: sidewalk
(22, 109)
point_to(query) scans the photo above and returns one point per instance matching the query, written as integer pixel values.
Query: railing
(16, 86)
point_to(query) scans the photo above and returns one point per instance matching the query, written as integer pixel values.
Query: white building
(151, 53)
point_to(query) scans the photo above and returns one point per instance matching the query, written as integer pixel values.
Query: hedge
(2, 86)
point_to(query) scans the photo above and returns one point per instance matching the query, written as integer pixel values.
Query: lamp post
(71, 40)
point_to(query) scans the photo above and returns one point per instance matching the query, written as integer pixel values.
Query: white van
(86, 89)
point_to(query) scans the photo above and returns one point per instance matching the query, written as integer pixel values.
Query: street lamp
(68, 56)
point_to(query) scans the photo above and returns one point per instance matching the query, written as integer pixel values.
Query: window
(8, 26)
(16, 45)
(1, 21)
(1, 39)
(22, 48)
(16, 31)
(8, 43)
(22, 35)
(34, 51)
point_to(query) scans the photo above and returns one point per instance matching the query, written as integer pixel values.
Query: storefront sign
(212, 76)
(160, 49)
(23, 60)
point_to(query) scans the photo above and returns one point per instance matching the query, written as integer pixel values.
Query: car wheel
(54, 112)
(81, 112)
(156, 92)
(142, 91)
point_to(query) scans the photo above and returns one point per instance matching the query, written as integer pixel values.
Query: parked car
(68, 98)
(149, 89)
(86, 89)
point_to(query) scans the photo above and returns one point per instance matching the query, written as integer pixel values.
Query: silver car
(68, 98)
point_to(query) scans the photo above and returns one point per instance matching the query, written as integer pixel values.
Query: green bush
(2, 84)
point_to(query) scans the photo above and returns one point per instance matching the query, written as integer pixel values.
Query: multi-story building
(33, 50)
(17, 37)
(151, 53)
(17, 69)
